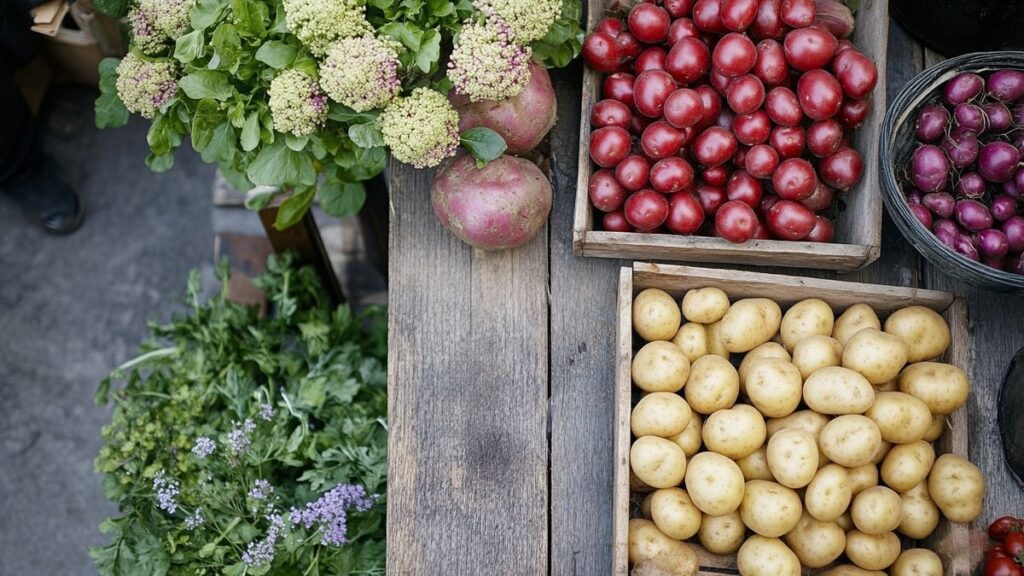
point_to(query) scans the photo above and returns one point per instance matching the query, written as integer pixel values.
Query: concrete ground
(73, 308)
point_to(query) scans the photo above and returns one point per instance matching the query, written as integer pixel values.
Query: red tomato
(1003, 526)
(1002, 567)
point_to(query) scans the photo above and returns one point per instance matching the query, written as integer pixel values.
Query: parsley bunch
(248, 444)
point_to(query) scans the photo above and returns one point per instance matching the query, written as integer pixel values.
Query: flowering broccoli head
(486, 65)
(320, 23)
(145, 87)
(421, 129)
(296, 103)
(361, 73)
(157, 23)
(528, 20)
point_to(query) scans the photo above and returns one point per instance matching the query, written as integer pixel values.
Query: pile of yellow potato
(817, 446)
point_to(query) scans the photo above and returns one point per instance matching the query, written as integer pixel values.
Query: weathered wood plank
(996, 330)
(468, 390)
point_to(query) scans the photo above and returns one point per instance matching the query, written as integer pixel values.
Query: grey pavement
(73, 308)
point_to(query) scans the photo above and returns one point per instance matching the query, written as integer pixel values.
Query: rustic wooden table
(501, 374)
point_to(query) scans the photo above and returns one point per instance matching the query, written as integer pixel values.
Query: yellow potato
(722, 534)
(656, 315)
(755, 465)
(692, 339)
(829, 493)
(816, 543)
(647, 543)
(817, 352)
(845, 522)
(770, 509)
(774, 387)
(838, 390)
(735, 432)
(917, 562)
(855, 319)
(872, 551)
(660, 367)
(713, 385)
(705, 305)
(863, 477)
(907, 465)
(876, 510)
(878, 356)
(851, 570)
(793, 457)
(936, 428)
(690, 439)
(850, 440)
(942, 387)
(811, 317)
(749, 323)
(808, 420)
(674, 513)
(766, 350)
(662, 414)
(714, 335)
(889, 386)
(920, 515)
(957, 488)
(924, 331)
(657, 462)
(714, 483)
(760, 556)
(881, 452)
(900, 417)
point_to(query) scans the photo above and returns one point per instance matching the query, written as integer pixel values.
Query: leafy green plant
(248, 444)
(292, 94)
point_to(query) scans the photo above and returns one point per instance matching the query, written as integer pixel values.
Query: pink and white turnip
(522, 120)
(499, 206)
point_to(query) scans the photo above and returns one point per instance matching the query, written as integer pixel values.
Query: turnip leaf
(483, 144)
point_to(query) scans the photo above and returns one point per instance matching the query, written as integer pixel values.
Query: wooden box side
(858, 230)
(950, 541)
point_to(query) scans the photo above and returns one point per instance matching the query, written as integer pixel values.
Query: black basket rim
(919, 89)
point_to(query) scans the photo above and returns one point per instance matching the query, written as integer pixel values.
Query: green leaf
(340, 113)
(296, 143)
(251, 16)
(342, 198)
(261, 200)
(206, 84)
(407, 33)
(276, 54)
(206, 13)
(430, 50)
(440, 8)
(366, 135)
(363, 163)
(207, 117)
(251, 132)
(277, 165)
(226, 45)
(222, 146)
(110, 111)
(294, 208)
(114, 8)
(189, 47)
(160, 163)
(483, 144)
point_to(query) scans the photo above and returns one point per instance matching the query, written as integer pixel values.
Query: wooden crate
(950, 541)
(858, 229)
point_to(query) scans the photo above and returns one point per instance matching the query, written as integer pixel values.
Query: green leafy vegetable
(483, 144)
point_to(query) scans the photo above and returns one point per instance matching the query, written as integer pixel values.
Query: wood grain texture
(623, 397)
(467, 390)
(582, 321)
(858, 229)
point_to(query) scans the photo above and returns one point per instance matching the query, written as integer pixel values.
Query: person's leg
(24, 176)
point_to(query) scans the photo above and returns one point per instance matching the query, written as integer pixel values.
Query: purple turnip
(1006, 85)
(931, 122)
(929, 168)
(499, 206)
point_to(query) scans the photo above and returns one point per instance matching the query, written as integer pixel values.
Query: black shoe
(48, 201)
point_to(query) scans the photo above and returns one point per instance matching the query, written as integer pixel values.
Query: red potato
(841, 170)
(736, 222)
(615, 222)
(771, 66)
(605, 191)
(717, 176)
(610, 113)
(610, 26)
(720, 82)
(810, 48)
(745, 94)
(782, 107)
(688, 60)
(768, 20)
(649, 22)
(753, 128)
(661, 140)
(683, 108)
(790, 221)
(681, 28)
(794, 179)
(678, 8)
(788, 141)
(639, 123)
(646, 209)
(824, 230)
(707, 15)
(761, 161)
(744, 188)
(712, 105)
(798, 13)
(633, 172)
(629, 47)
(738, 15)
(619, 86)
(820, 199)
(714, 146)
(819, 93)
(523, 120)
(734, 54)
(853, 113)
(823, 137)
(651, 90)
(856, 73)
(710, 198)
(685, 214)
(601, 52)
(652, 58)
(609, 145)
(502, 205)
(671, 175)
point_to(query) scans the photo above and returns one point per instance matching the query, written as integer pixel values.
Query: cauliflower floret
(320, 23)
(486, 65)
(144, 86)
(157, 23)
(361, 73)
(421, 129)
(529, 20)
(296, 103)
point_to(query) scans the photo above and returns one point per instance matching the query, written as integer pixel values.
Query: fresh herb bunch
(242, 444)
(294, 94)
